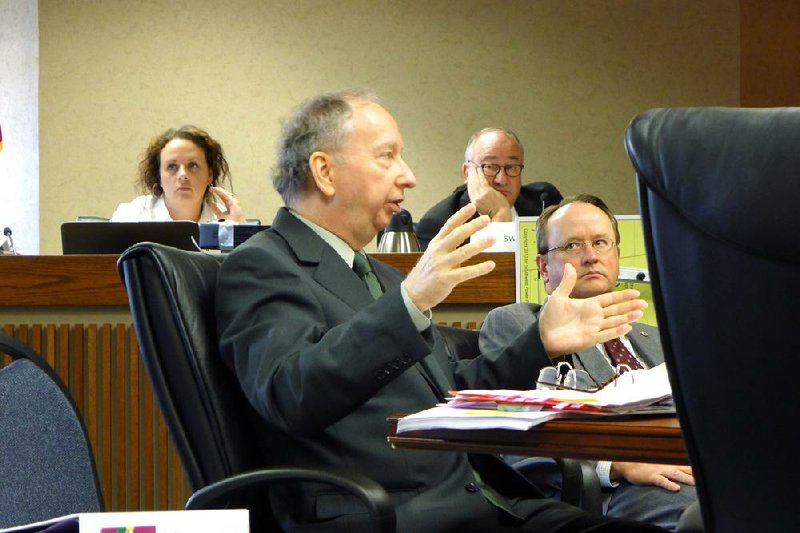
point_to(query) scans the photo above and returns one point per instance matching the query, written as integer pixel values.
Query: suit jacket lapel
(329, 269)
(334, 274)
(595, 363)
(647, 344)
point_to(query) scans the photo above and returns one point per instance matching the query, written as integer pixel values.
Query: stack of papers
(447, 417)
(635, 392)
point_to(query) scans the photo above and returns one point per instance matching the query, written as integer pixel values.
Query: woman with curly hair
(181, 171)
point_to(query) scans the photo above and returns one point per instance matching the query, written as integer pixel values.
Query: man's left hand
(669, 477)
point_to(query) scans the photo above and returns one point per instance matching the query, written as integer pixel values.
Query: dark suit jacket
(325, 364)
(528, 204)
(504, 324)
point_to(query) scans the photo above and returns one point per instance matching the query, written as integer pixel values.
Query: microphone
(10, 241)
(545, 198)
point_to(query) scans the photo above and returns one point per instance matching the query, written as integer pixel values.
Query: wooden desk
(646, 440)
(92, 280)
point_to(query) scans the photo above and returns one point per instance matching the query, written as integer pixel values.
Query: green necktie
(362, 267)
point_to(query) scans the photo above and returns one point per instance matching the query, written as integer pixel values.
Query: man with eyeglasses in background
(581, 231)
(492, 169)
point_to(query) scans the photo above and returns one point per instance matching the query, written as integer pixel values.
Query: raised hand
(568, 325)
(232, 211)
(439, 269)
(488, 200)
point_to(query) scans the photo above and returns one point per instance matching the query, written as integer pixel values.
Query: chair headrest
(734, 173)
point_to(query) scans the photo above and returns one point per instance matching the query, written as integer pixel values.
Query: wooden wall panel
(769, 48)
(138, 467)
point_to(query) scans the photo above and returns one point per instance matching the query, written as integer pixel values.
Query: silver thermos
(399, 236)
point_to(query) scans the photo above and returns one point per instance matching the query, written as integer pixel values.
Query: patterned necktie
(364, 271)
(620, 354)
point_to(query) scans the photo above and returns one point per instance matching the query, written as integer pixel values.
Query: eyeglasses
(491, 170)
(575, 248)
(564, 377)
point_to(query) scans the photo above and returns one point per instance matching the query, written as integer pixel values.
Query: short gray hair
(472, 140)
(319, 123)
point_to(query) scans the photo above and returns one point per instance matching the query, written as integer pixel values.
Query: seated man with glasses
(492, 169)
(582, 231)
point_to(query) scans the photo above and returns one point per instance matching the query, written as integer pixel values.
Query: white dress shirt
(153, 208)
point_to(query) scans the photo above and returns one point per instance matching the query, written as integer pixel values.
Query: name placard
(504, 233)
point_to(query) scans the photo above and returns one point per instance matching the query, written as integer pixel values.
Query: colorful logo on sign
(129, 529)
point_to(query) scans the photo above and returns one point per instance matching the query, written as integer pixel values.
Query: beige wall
(567, 75)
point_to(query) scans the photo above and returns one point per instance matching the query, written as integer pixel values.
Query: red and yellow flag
(1, 139)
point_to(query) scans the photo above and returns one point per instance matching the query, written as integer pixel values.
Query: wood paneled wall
(138, 467)
(769, 48)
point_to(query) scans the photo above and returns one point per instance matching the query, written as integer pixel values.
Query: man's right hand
(439, 269)
(488, 200)
(568, 325)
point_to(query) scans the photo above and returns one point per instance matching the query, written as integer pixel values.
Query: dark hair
(475, 136)
(318, 124)
(541, 224)
(150, 165)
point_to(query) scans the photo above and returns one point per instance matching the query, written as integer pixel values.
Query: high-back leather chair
(213, 426)
(719, 191)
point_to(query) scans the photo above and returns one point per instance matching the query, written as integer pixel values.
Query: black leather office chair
(46, 464)
(719, 191)
(171, 294)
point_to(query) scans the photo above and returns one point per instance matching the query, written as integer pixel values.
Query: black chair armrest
(580, 485)
(374, 497)
(461, 343)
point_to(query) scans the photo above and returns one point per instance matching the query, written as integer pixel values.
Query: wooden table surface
(640, 439)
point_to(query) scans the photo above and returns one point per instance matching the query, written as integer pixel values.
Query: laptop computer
(116, 237)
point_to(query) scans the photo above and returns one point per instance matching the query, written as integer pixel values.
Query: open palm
(569, 325)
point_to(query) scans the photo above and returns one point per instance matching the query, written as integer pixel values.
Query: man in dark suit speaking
(327, 342)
